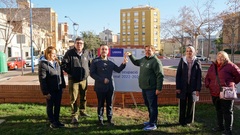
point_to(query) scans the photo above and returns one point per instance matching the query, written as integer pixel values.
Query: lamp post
(32, 65)
(75, 26)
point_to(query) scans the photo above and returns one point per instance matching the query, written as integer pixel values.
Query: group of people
(188, 81)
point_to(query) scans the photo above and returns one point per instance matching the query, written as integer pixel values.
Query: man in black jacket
(75, 62)
(101, 71)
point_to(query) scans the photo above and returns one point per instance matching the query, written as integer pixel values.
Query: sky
(95, 15)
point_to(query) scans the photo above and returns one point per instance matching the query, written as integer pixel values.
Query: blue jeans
(150, 100)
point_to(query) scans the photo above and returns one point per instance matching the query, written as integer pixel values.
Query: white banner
(127, 80)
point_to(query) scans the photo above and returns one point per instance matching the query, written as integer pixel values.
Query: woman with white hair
(188, 80)
(229, 75)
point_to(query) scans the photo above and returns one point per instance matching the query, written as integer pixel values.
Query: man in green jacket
(150, 81)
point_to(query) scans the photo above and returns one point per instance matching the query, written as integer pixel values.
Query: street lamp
(75, 26)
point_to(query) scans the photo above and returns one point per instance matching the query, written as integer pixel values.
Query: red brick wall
(32, 94)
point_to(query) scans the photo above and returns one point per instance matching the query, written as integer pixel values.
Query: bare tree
(12, 24)
(192, 22)
(212, 23)
(231, 24)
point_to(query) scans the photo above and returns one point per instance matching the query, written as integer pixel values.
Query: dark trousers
(186, 109)
(53, 106)
(150, 100)
(224, 109)
(102, 97)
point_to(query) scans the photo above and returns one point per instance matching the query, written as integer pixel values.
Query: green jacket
(151, 72)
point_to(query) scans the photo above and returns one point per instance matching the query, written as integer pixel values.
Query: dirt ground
(129, 112)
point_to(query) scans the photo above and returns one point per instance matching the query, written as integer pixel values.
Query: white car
(201, 58)
(35, 61)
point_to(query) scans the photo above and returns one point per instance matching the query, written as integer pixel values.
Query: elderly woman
(229, 75)
(188, 80)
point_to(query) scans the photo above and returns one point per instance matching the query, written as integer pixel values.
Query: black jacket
(76, 66)
(182, 77)
(50, 76)
(101, 69)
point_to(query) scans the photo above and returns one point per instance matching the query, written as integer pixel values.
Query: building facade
(140, 26)
(108, 37)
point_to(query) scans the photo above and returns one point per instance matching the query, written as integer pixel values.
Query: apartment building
(140, 26)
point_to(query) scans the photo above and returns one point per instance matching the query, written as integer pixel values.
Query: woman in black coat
(188, 81)
(52, 83)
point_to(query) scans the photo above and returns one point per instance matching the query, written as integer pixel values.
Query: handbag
(226, 93)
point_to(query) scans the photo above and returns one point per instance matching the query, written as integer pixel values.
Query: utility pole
(32, 65)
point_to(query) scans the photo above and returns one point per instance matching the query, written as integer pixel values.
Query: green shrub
(237, 52)
(228, 51)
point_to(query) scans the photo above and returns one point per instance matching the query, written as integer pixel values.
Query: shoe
(149, 128)
(100, 123)
(183, 124)
(60, 124)
(84, 114)
(227, 132)
(74, 120)
(145, 123)
(111, 123)
(54, 125)
(217, 129)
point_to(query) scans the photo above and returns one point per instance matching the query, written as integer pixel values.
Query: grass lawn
(30, 119)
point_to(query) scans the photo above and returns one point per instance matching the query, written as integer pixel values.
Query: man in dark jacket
(75, 62)
(150, 81)
(101, 71)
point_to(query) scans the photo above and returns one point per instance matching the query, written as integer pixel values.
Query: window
(128, 21)
(135, 33)
(136, 39)
(155, 20)
(128, 39)
(128, 27)
(128, 33)
(155, 13)
(135, 20)
(143, 26)
(143, 20)
(123, 21)
(143, 13)
(136, 27)
(124, 27)
(135, 13)
(124, 39)
(124, 33)
(143, 33)
(155, 26)
(143, 39)
(128, 14)
(123, 14)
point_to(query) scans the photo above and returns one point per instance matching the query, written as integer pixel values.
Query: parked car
(35, 61)
(15, 63)
(201, 58)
